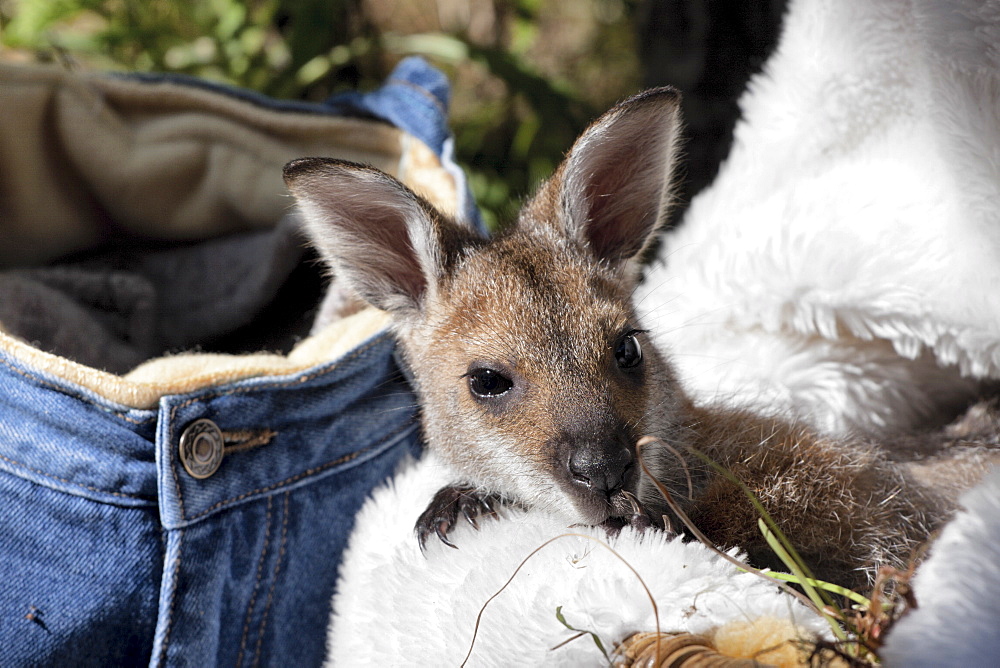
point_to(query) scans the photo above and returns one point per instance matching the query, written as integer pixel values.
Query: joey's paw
(639, 520)
(450, 504)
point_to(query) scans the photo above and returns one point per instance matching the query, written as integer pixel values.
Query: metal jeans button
(201, 448)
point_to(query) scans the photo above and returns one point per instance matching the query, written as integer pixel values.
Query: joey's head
(534, 375)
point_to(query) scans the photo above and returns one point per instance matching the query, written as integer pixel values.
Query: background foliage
(528, 75)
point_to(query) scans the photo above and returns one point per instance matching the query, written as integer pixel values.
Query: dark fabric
(126, 303)
(708, 51)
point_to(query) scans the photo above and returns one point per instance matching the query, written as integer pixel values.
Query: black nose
(601, 469)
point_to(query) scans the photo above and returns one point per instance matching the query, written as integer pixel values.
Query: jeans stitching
(347, 357)
(71, 483)
(172, 453)
(299, 476)
(67, 391)
(256, 586)
(243, 440)
(305, 474)
(239, 390)
(173, 600)
(274, 580)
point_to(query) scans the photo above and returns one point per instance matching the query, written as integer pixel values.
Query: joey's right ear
(383, 240)
(614, 189)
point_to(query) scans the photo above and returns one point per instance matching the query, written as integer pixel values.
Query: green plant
(854, 641)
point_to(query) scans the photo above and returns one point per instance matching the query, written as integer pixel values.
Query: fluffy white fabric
(844, 266)
(958, 590)
(396, 605)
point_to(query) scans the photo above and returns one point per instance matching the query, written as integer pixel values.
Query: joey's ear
(614, 188)
(380, 238)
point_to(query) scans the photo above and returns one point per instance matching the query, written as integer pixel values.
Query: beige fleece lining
(179, 374)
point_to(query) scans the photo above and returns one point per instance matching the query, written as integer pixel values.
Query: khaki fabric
(178, 374)
(87, 158)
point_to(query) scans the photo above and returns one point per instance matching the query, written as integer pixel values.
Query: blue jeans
(113, 555)
(205, 530)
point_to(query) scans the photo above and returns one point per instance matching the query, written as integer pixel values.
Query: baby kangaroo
(537, 379)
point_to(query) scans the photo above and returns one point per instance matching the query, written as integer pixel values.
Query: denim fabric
(416, 97)
(112, 554)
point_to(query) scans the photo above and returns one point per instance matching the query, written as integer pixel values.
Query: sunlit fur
(541, 309)
(545, 303)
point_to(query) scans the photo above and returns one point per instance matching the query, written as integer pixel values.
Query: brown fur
(546, 306)
(846, 508)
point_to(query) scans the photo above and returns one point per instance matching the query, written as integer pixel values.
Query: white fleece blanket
(396, 606)
(844, 268)
(958, 588)
(845, 264)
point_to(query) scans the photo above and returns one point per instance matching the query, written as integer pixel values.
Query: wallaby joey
(536, 378)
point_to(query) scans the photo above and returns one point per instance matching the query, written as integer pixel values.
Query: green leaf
(849, 594)
(597, 640)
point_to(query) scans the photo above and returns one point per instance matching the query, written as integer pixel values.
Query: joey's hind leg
(845, 508)
(448, 505)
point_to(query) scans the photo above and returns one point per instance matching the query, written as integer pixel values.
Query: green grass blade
(849, 594)
(594, 636)
(812, 592)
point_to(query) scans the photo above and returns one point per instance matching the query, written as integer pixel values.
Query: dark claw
(470, 518)
(668, 526)
(638, 520)
(442, 534)
(447, 506)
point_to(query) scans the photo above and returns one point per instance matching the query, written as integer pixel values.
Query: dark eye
(628, 354)
(487, 383)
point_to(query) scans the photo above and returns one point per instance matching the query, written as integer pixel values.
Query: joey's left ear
(381, 240)
(614, 188)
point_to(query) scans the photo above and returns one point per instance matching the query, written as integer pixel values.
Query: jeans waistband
(269, 433)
